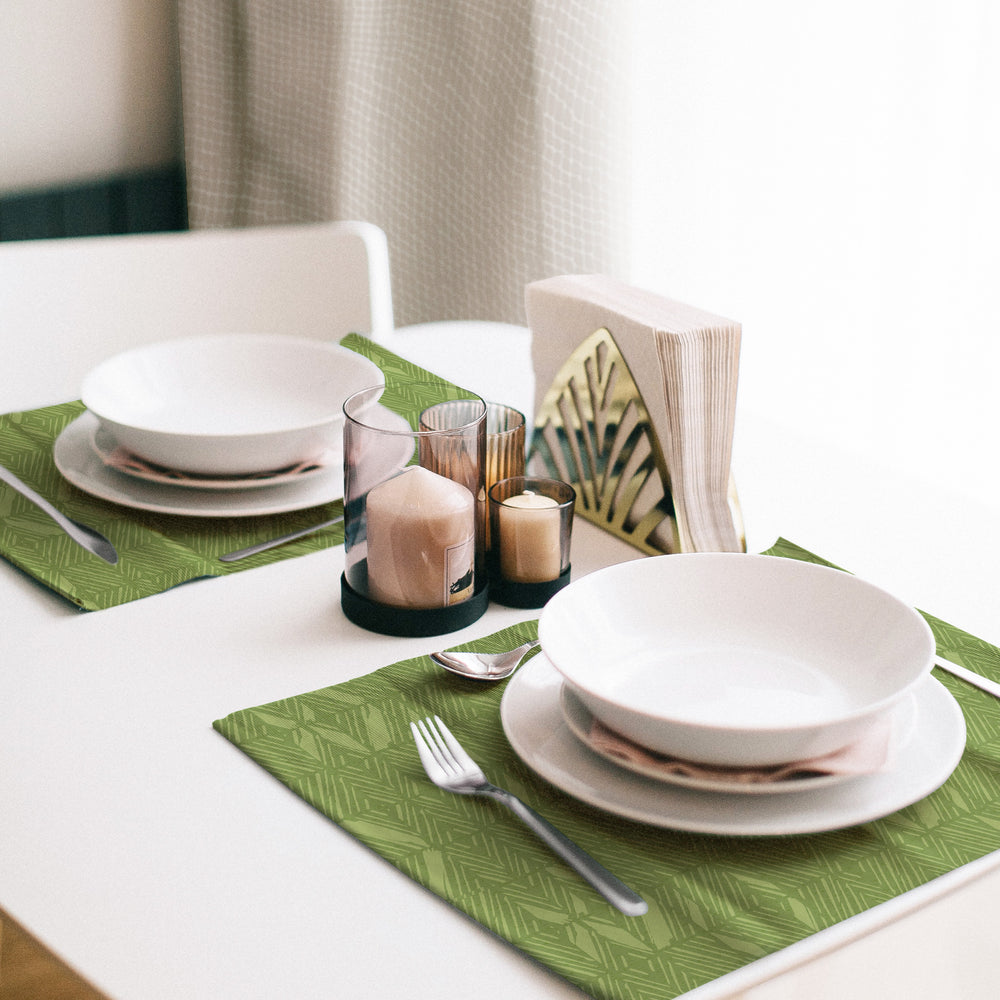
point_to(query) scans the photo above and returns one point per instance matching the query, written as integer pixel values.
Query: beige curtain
(486, 137)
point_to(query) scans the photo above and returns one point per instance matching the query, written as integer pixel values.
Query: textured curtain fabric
(488, 139)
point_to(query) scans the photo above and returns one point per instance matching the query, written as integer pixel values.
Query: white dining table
(159, 861)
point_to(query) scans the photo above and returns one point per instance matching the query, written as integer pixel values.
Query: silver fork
(452, 769)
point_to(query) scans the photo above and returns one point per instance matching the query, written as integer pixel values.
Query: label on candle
(421, 540)
(460, 573)
(530, 538)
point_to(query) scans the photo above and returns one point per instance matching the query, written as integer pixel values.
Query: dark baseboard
(147, 201)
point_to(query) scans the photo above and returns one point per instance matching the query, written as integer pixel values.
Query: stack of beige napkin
(684, 362)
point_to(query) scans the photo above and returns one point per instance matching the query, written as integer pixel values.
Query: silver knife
(969, 676)
(252, 550)
(91, 540)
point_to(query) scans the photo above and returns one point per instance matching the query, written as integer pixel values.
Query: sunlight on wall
(826, 174)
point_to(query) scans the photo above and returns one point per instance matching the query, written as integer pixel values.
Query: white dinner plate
(120, 460)
(580, 720)
(533, 721)
(78, 461)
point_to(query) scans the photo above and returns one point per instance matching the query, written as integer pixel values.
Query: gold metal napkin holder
(594, 430)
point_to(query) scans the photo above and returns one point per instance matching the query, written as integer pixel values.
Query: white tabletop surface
(158, 860)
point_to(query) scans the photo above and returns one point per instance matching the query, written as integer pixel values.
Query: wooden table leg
(29, 971)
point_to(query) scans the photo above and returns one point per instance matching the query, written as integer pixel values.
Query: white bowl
(229, 403)
(735, 660)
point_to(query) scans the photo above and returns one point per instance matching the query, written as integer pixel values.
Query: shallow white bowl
(735, 660)
(228, 403)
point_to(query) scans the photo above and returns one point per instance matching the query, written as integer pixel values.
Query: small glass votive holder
(414, 551)
(531, 524)
(505, 429)
(504, 455)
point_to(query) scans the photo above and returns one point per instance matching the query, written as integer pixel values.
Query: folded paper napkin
(715, 903)
(122, 460)
(156, 551)
(868, 755)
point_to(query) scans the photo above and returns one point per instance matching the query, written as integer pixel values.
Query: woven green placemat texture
(156, 551)
(716, 903)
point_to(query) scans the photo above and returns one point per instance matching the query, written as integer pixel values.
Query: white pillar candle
(421, 540)
(530, 529)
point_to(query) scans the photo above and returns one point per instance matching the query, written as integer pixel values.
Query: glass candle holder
(504, 443)
(505, 429)
(531, 524)
(413, 486)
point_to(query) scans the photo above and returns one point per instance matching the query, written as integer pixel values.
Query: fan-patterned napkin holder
(639, 412)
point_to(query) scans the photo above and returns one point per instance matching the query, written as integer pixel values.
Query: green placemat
(156, 551)
(716, 903)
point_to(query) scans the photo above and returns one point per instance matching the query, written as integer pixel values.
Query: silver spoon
(484, 666)
(94, 542)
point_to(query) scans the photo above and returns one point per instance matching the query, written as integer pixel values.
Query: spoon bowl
(484, 666)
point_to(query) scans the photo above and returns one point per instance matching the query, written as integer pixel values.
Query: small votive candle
(531, 522)
(530, 549)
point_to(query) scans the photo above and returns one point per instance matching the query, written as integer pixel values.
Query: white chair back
(66, 304)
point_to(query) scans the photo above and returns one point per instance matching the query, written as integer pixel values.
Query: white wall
(87, 88)
(824, 173)
(827, 174)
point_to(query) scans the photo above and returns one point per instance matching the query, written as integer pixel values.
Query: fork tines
(446, 751)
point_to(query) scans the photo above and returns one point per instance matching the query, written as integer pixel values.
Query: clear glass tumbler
(414, 488)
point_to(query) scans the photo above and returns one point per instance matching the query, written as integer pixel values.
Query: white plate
(79, 463)
(579, 719)
(106, 445)
(536, 728)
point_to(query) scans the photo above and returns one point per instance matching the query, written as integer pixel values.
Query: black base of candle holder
(388, 620)
(526, 595)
